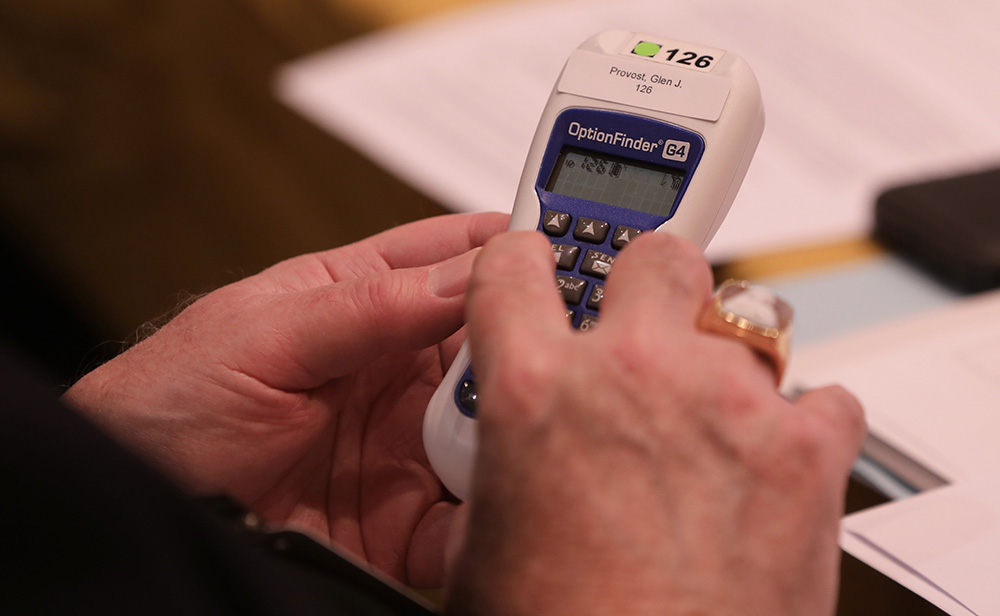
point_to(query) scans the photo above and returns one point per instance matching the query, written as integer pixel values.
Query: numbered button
(596, 295)
(565, 255)
(555, 223)
(591, 230)
(572, 289)
(587, 322)
(597, 264)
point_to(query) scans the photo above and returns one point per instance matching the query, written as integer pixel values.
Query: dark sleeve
(87, 528)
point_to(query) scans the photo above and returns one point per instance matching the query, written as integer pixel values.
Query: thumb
(332, 330)
(427, 557)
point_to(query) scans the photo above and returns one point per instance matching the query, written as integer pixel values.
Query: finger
(416, 244)
(513, 302)
(427, 555)
(330, 330)
(658, 278)
(449, 348)
(843, 414)
(455, 540)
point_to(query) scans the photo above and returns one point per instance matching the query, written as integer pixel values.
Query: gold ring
(754, 315)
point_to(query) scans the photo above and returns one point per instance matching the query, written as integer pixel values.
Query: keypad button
(622, 236)
(566, 255)
(467, 396)
(555, 223)
(591, 230)
(596, 295)
(587, 322)
(571, 288)
(596, 264)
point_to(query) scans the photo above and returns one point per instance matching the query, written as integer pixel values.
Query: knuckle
(840, 413)
(737, 396)
(732, 382)
(640, 360)
(805, 457)
(803, 441)
(632, 347)
(849, 408)
(372, 303)
(743, 415)
(376, 294)
(517, 391)
(683, 262)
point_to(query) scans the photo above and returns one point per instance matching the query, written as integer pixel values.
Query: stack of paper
(930, 385)
(944, 544)
(858, 93)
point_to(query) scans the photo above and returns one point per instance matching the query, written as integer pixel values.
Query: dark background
(144, 157)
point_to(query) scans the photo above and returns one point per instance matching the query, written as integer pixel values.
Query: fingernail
(448, 279)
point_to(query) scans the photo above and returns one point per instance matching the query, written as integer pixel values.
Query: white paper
(858, 93)
(930, 383)
(902, 574)
(943, 544)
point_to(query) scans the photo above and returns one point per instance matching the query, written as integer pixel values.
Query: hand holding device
(641, 133)
(270, 389)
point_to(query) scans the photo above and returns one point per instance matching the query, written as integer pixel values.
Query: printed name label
(644, 84)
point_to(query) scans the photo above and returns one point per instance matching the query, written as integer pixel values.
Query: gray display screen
(613, 180)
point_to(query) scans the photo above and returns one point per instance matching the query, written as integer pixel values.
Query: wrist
(109, 398)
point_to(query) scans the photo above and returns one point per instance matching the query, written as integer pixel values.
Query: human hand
(643, 467)
(300, 391)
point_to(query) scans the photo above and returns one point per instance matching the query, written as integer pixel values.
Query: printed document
(859, 94)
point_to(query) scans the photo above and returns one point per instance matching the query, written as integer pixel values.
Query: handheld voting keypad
(641, 134)
(605, 177)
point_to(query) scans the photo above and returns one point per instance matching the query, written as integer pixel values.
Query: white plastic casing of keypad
(718, 99)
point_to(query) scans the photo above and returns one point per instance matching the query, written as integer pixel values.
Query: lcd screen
(614, 180)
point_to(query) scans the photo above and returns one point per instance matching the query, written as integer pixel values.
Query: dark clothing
(86, 527)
